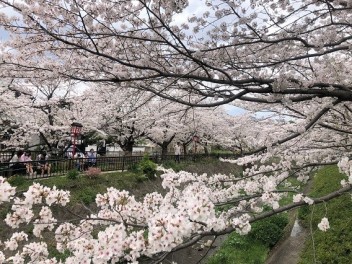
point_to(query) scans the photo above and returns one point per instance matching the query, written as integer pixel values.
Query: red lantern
(76, 129)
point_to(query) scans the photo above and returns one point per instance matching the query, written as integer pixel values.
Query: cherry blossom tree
(15, 105)
(228, 50)
(118, 114)
(204, 127)
(42, 109)
(287, 58)
(6, 120)
(165, 123)
(52, 110)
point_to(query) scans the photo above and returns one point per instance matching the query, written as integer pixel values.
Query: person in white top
(14, 158)
(177, 152)
(15, 164)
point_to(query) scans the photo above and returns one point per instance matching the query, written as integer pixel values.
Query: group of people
(22, 160)
(86, 160)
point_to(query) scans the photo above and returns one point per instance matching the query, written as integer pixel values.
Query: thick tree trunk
(164, 150)
(184, 146)
(127, 147)
(47, 143)
(206, 151)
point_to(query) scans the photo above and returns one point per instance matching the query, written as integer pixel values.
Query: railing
(57, 167)
(6, 156)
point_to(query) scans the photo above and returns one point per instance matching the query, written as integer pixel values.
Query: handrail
(105, 163)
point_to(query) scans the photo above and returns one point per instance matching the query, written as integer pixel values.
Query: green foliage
(254, 247)
(54, 253)
(218, 149)
(4, 210)
(176, 166)
(133, 168)
(87, 195)
(16, 180)
(141, 178)
(269, 231)
(73, 174)
(148, 167)
(334, 245)
(240, 250)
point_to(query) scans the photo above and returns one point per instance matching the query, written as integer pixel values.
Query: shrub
(72, 174)
(92, 172)
(148, 167)
(269, 231)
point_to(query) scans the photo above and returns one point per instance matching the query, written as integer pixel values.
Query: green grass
(83, 188)
(177, 166)
(254, 247)
(236, 249)
(240, 250)
(334, 245)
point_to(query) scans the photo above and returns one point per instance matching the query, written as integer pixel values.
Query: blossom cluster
(6, 190)
(128, 228)
(124, 229)
(324, 224)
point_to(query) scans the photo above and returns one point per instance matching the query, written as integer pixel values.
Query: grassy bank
(83, 191)
(254, 247)
(334, 245)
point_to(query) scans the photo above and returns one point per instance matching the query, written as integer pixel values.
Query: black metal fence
(57, 167)
(5, 156)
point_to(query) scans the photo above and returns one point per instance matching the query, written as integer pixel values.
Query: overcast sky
(195, 7)
(3, 35)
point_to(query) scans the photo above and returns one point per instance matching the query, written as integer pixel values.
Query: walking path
(288, 251)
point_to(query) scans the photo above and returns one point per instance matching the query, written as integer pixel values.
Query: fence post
(123, 162)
